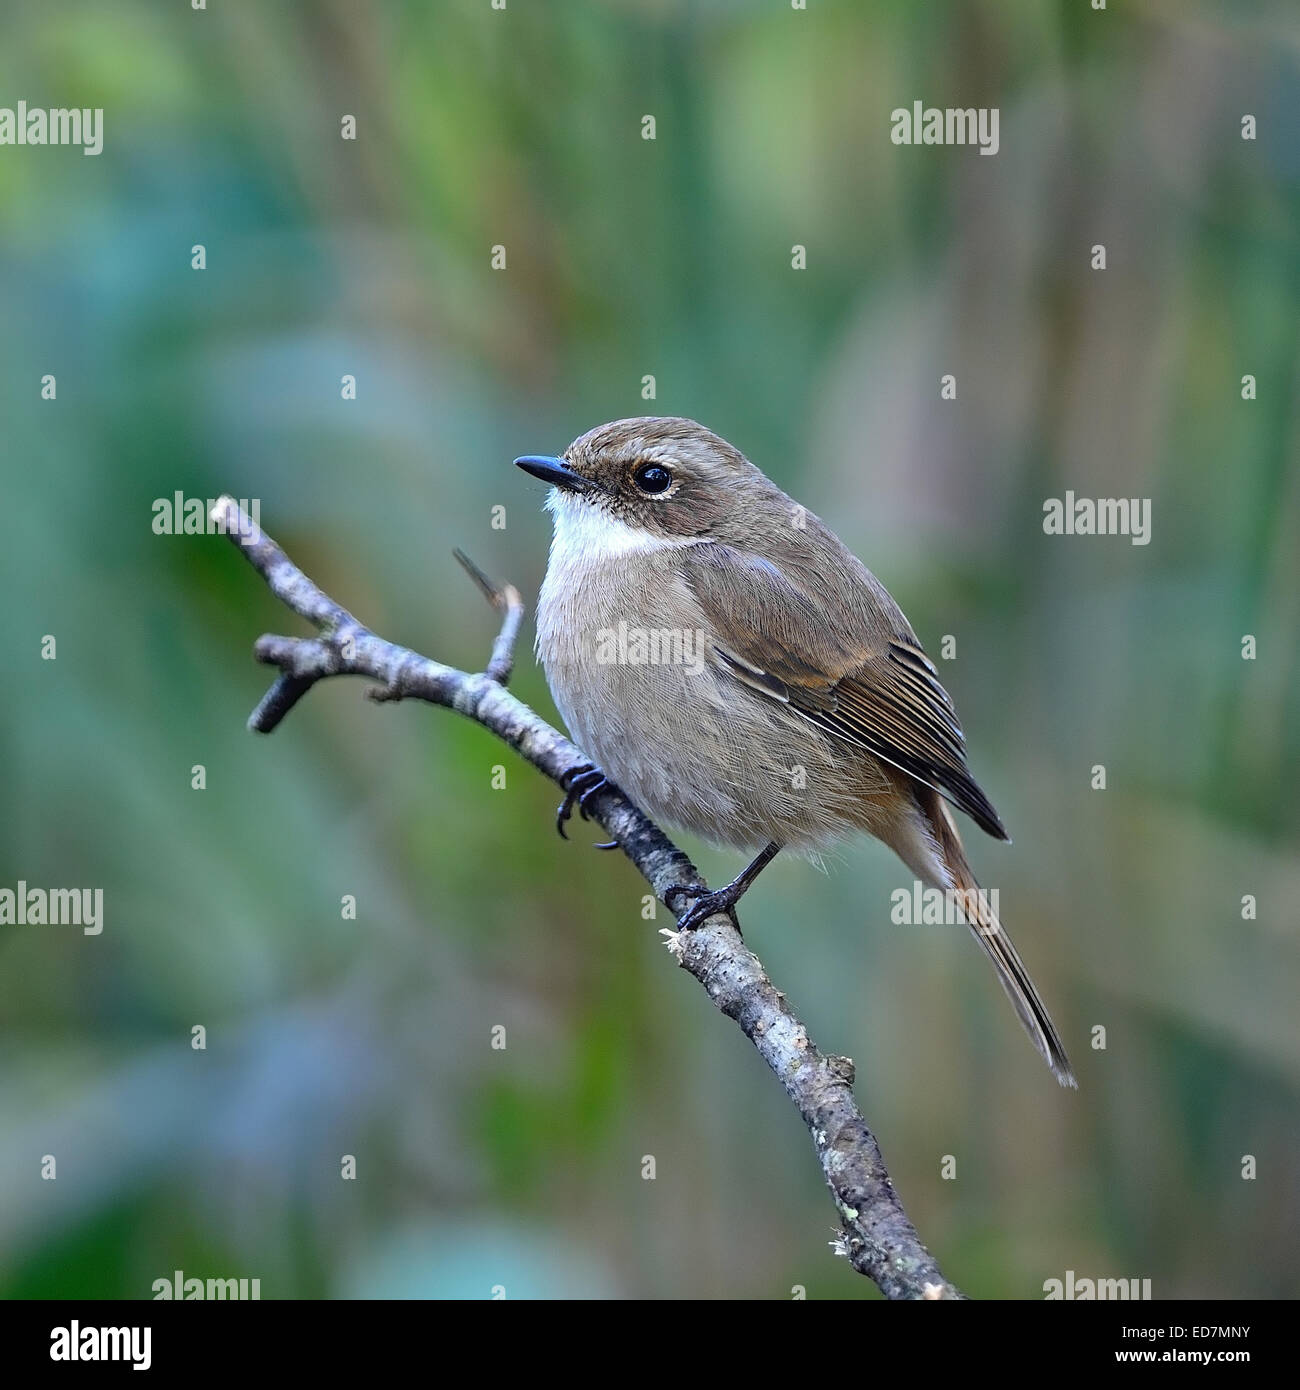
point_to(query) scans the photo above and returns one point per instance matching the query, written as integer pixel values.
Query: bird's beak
(554, 471)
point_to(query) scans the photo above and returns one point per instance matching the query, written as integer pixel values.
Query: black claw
(590, 791)
(605, 844)
(725, 899)
(721, 900)
(578, 783)
(685, 890)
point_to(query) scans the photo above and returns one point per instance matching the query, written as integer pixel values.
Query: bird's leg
(724, 899)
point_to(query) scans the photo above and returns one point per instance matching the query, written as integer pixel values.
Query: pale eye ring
(652, 478)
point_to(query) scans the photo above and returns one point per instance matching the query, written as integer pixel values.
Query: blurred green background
(625, 258)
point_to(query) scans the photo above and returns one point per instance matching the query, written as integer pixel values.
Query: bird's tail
(991, 936)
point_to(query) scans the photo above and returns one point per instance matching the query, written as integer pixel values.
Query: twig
(877, 1236)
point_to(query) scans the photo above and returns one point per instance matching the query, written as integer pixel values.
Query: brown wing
(863, 678)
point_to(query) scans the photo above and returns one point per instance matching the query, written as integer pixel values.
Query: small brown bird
(738, 672)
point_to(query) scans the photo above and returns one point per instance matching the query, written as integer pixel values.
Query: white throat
(587, 535)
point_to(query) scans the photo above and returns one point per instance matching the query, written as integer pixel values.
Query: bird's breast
(633, 668)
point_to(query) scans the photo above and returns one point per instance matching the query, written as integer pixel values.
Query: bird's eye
(652, 478)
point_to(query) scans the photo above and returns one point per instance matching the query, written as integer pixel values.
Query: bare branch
(878, 1238)
(506, 600)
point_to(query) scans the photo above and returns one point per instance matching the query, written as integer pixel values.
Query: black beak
(554, 471)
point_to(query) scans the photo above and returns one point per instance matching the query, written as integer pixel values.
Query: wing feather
(866, 679)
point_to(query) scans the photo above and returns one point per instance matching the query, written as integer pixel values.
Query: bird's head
(664, 479)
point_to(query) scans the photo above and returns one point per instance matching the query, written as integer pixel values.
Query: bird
(736, 671)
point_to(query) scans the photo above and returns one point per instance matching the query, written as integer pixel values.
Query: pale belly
(640, 689)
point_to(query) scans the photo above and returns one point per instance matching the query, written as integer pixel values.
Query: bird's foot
(725, 899)
(707, 903)
(579, 784)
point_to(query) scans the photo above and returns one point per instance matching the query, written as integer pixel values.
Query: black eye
(652, 478)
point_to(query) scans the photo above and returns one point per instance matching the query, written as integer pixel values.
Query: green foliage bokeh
(522, 1167)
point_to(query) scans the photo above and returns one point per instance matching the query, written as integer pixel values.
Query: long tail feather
(993, 938)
